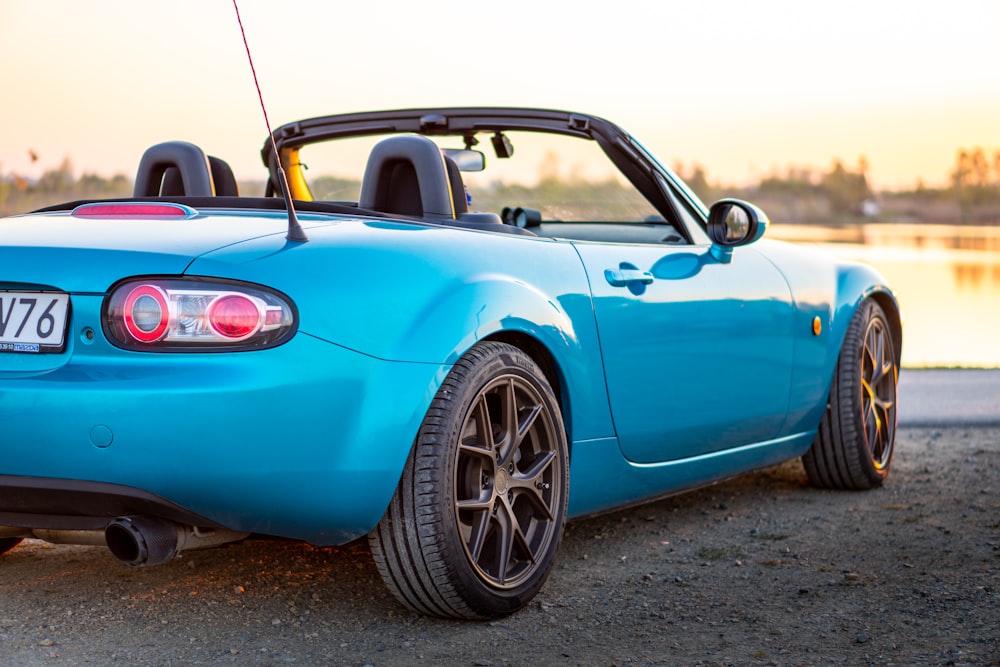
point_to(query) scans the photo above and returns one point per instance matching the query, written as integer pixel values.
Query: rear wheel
(476, 521)
(857, 435)
(8, 543)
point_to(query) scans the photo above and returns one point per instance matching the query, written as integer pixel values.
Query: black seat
(179, 168)
(172, 185)
(461, 202)
(405, 175)
(408, 175)
(223, 178)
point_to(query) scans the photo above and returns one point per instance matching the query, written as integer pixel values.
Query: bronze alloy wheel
(507, 482)
(857, 434)
(476, 520)
(879, 379)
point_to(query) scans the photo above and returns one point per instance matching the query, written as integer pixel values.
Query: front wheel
(857, 435)
(478, 515)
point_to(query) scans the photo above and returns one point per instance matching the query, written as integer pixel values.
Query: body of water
(947, 279)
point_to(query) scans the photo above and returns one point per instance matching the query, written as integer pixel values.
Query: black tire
(857, 435)
(8, 543)
(474, 526)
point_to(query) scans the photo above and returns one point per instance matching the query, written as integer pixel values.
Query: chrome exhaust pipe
(143, 540)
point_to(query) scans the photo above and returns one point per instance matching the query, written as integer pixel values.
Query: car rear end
(134, 395)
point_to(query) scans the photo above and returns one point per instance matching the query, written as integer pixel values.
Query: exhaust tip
(141, 541)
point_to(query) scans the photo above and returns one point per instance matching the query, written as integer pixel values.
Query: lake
(947, 279)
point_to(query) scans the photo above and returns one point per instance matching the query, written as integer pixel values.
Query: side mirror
(731, 223)
(466, 159)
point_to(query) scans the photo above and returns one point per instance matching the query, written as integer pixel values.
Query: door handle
(625, 277)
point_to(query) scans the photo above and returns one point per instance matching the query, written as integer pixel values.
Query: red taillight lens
(146, 314)
(175, 314)
(235, 316)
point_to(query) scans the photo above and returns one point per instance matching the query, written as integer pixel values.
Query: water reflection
(947, 279)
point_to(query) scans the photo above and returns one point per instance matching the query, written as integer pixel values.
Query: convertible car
(456, 330)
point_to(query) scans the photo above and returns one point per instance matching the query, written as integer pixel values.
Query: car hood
(89, 255)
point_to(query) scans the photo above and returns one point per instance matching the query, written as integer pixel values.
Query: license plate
(33, 322)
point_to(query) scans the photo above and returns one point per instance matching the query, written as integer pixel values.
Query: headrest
(389, 169)
(189, 161)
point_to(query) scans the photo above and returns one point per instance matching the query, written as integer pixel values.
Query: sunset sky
(743, 88)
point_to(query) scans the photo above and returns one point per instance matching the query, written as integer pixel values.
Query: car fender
(491, 305)
(826, 292)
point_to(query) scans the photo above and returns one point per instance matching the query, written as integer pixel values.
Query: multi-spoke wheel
(8, 543)
(478, 515)
(853, 449)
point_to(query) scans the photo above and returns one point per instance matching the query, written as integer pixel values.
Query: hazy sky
(743, 88)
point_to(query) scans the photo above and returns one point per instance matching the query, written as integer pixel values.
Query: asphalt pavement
(946, 397)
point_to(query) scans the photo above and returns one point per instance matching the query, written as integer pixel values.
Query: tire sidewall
(492, 361)
(851, 387)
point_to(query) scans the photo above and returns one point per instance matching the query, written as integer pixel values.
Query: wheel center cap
(501, 481)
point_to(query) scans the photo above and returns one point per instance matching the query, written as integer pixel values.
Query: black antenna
(295, 231)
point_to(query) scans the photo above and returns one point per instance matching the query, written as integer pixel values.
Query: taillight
(163, 314)
(236, 316)
(146, 313)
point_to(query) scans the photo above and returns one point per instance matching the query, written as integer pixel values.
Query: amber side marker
(817, 326)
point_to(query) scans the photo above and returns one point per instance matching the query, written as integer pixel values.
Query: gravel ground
(760, 570)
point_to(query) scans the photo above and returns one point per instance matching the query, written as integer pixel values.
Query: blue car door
(697, 353)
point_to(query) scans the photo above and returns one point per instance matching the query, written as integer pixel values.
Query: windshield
(564, 178)
(676, 180)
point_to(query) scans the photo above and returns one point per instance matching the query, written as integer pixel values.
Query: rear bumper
(306, 440)
(66, 504)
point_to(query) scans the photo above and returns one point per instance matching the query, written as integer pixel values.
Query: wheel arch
(559, 334)
(890, 306)
(856, 284)
(546, 361)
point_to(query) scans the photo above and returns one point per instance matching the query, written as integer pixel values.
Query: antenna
(295, 231)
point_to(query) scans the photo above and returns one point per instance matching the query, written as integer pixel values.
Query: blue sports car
(457, 329)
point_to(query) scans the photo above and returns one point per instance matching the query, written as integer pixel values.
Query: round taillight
(234, 316)
(146, 314)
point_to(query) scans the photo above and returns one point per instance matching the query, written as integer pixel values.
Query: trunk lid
(75, 255)
(84, 257)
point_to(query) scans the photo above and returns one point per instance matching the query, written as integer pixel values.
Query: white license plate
(33, 322)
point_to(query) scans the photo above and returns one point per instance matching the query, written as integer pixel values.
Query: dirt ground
(760, 570)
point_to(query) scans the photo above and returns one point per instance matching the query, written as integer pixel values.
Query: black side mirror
(731, 223)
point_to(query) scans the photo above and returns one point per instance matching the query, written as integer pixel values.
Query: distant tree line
(838, 194)
(976, 181)
(844, 189)
(19, 195)
(844, 194)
